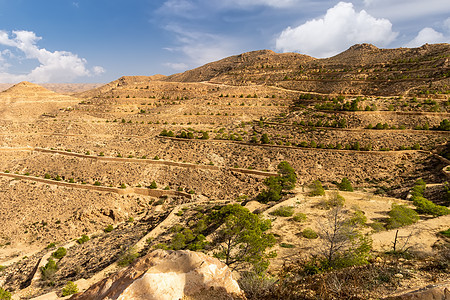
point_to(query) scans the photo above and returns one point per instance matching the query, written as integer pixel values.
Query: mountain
(363, 69)
(27, 101)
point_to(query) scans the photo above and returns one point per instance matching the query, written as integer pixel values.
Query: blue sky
(101, 40)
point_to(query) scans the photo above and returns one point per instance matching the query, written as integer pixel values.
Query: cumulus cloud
(427, 35)
(340, 28)
(57, 66)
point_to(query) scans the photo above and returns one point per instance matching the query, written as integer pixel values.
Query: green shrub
(316, 189)
(4, 295)
(70, 289)
(425, 206)
(59, 253)
(377, 226)
(345, 185)
(299, 217)
(51, 245)
(97, 183)
(285, 245)
(309, 233)
(283, 211)
(108, 228)
(445, 233)
(84, 238)
(401, 215)
(265, 139)
(128, 257)
(49, 269)
(334, 201)
(153, 185)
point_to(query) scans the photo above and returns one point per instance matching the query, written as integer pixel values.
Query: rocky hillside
(90, 183)
(362, 69)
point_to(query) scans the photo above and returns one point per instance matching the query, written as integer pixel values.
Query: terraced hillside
(126, 162)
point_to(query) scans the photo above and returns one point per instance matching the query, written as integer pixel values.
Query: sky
(97, 41)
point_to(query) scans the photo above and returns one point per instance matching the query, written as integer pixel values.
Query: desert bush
(4, 295)
(283, 211)
(265, 139)
(299, 217)
(153, 185)
(48, 271)
(51, 245)
(59, 253)
(108, 228)
(445, 233)
(128, 257)
(425, 206)
(309, 233)
(70, 289)
(285, 245)
(345, 185)
(401, 215)
(377, 226)
(256, 286)
(316, 189)
(334, 201)
(84, 238)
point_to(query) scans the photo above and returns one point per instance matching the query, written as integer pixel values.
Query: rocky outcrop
(432, 292)
(168, 275)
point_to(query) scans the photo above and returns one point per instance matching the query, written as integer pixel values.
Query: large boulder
(168, 275)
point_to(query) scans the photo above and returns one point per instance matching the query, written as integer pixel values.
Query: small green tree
(242, 237)
(265, 139)
(153, 185)
(345, 185)
(277, 184)
(343, 245)
(316, 189)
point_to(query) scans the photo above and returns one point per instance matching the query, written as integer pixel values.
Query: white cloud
(340, 28)
(407, 10)
(200, 48)
(193, 9)
(428, 35)
(57, 66)
(177, 66)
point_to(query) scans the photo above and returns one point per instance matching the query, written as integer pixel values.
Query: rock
(431, 292)
(168, 275)
(398, 275)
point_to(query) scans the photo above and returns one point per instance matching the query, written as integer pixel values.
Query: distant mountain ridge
(363, 69)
